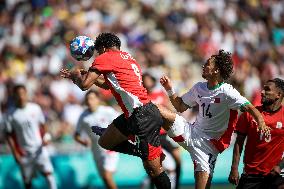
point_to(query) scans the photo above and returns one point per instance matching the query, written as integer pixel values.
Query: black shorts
(167, 145)
(248, 181)
(144, 124)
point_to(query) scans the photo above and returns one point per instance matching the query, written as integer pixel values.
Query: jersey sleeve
(235, 99)
(102, 63)
(189, 98)
(242, 124)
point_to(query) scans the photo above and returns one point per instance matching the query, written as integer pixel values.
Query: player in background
(102, 116)
(218, 103)
(26, 134)
(263, 156)
(158, 96)
(141, 118)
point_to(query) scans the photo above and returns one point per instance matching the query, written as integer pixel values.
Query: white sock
(172, 176)
(51, 181)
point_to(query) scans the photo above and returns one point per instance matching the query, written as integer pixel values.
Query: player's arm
(12, 145)
(276, 170)
(100, 82)
(80, 140)
(46, 137)
(257, 117)
(238, 148)
(176, 101)
(84, 80)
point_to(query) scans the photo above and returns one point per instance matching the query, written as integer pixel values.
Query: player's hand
(166, 83)
(276, 170)
(87, 143)
(65, 73)
(83, 72)
(263, 129)
(234, 176)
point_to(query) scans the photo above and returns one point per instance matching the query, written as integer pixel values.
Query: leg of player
(113, 139)
(202, 180)
(156, 172)
(50, 180)
(108, 180)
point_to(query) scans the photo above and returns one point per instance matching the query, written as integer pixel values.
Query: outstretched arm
(84, 79)
(176, 101)
(258, 118)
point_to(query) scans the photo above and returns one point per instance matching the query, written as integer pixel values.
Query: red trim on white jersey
(224, 141)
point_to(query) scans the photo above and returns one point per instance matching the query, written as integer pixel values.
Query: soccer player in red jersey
(141, 118)
(263, 157)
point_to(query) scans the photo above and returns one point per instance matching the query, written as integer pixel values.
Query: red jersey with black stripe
(262, 152)
(123, 76)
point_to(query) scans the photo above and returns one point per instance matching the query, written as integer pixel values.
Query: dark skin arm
(85, 79)
(79, 139)
(258, 118)
(238, 148)
(12, 145)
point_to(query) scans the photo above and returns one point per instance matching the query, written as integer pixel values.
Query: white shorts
(106, 160)
(203, 153)
(38, 161)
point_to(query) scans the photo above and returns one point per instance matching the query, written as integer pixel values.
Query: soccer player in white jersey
(218, 104)
(25, 127)
(101, 116)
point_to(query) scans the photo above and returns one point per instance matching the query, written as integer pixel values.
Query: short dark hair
(279, 83)
(91, 91)
(107, 40)
(17, 87)
(224, 62)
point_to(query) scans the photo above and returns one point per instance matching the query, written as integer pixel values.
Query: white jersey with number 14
(214, 107)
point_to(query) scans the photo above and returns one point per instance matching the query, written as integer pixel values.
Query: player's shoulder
(85, 113)
(11, 110)
(104, 108)
(200, 84)
(227, 88)
(33, 106)
(108, 110)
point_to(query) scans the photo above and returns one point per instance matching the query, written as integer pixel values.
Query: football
(82, 48)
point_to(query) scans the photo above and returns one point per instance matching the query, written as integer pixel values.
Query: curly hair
(107, 40)
(279, 83)
(224, 62)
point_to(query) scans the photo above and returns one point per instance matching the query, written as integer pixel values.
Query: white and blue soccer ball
(82, 48)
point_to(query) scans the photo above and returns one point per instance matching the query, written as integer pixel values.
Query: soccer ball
(82, 48)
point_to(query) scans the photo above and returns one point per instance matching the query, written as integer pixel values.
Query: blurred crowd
(173, 37)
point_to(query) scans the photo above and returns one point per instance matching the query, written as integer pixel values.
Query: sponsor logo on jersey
(279, 125)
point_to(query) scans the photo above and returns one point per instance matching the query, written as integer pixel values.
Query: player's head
(149, 81)
(92, 99)
(218, 65)
(106, 41)
(20, 95)
(273, 91)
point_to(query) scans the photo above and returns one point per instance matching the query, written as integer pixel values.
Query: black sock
(177, 175)
(127, 148)
(162, 181)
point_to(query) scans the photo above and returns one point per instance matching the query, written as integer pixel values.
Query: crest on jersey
(279, 125)
(217, 100)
